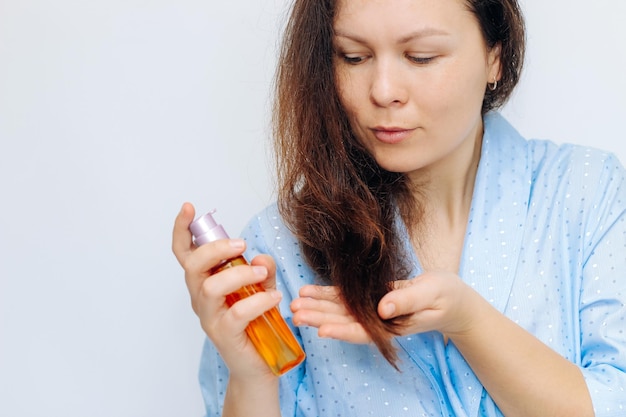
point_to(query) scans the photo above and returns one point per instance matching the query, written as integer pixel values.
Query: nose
(388, 85)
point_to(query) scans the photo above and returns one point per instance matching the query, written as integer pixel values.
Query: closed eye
(353, 59)
(421, 60)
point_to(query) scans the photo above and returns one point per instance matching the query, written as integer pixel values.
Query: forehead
(452, 14)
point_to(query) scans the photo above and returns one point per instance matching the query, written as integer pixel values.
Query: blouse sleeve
(213, 373)
(603, 294)
(213, 377)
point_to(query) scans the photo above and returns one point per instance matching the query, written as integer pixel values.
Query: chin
(401, 168)
(399, 160)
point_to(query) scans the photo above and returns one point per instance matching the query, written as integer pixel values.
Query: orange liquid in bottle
(269, 333)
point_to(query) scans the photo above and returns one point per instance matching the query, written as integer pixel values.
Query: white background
(114, 112)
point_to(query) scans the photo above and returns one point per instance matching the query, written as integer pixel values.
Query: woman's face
(411, 75)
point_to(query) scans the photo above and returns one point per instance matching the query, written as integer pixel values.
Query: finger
(349, 332)
(315, 318)
(409, 298)
(215, 288)
(269, 263)
(212, 254)
(307, 303)
(315, 312)
(244, 311)
(321, 292)
(181, 236)
(402, 283)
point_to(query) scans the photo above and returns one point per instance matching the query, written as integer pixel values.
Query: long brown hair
(338, 202)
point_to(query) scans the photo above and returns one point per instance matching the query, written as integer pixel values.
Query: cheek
(353, 86)
(347, 92)
(457, 90)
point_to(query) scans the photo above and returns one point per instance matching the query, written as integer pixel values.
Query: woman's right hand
(225, 325)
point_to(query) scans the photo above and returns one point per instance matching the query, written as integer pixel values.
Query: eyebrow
(420, 33)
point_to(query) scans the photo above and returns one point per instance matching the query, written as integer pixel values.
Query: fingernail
(259, 271)
(275, 294)
(388, 309)
(237, 243)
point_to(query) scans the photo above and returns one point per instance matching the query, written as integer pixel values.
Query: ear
(494, 66)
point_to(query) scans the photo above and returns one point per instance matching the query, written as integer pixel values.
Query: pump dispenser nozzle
(205, 229)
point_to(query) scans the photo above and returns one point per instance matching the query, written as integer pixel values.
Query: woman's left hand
(432, 301)
(438, 301)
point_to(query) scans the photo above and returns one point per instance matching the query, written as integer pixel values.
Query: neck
(449, 184)
(447, 195)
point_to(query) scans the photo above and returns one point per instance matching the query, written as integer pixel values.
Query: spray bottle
(269, 333)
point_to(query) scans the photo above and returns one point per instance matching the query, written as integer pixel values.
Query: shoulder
(592, 175)
(578, 189)
(266, 231)
(582, 165)
(550, 162)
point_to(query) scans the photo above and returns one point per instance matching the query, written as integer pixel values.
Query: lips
(391, 135)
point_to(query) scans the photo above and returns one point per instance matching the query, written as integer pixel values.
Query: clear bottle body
(269, 333)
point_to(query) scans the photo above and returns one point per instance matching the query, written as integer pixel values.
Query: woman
(487, 271)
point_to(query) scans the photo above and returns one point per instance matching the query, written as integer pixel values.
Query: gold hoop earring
(493, 86)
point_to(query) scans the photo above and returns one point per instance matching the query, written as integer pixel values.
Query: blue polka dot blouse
(545, 245)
